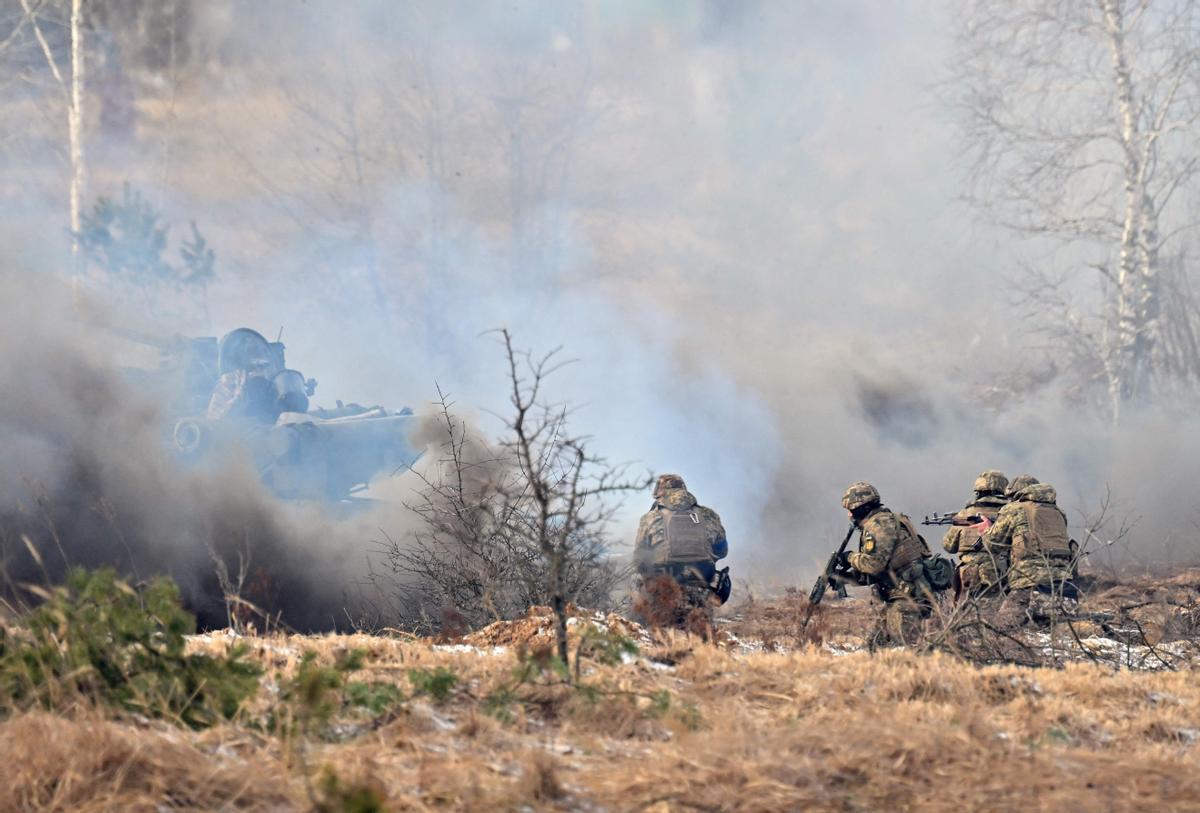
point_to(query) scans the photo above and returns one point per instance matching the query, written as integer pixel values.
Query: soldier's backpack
(939, 572)
(684, 538)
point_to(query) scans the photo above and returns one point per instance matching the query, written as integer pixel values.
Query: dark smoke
(87, 477)
(897, 410)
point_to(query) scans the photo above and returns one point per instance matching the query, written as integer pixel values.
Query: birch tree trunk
(1080, 121)
(73, 102)
(1132, 335)
(75, 131)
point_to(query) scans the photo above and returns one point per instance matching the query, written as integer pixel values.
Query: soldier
(1018, 483)
(678, 543)
(1032, 532)
(890, 557)
(979, 573)
(245, 393)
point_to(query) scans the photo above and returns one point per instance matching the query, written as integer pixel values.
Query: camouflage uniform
(243, 394)
(890, 557)
(979, 571)
(1032, 532)
(688, 555)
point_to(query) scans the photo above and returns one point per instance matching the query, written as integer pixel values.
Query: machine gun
(952, 519)
(829, 574)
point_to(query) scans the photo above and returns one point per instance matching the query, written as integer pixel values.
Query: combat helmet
(667, 482)
(858, 495)
(991, 482)
(1019, 483)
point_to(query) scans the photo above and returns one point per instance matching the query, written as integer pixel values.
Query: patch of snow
(469, 649)
(660, 667)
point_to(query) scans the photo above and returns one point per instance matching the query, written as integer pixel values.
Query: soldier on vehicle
(678, 545)
(245, 393)
(1032, 532)
(979, 572)
(890, 557)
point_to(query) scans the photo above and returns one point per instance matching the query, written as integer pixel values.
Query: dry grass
(778, 625)
(744, 731)
(91, 765)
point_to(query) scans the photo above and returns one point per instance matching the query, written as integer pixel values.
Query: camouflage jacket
(966, 541)
(888, 548)
(652, 529)
(240, 394)
(1003, 540)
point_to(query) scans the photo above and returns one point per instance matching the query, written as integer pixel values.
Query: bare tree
(70, 86)
(519, 522)
(75, 124)
(466, 560)
(1080, 120)
(566, 486)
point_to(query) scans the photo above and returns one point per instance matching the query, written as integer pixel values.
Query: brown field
(741, 728)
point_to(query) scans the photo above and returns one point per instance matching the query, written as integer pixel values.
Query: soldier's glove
(843, 560)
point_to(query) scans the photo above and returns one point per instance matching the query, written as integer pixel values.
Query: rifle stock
(822, 584)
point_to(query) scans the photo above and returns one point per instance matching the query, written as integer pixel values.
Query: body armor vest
(911, 548)
(685, 538)
(1045, 534)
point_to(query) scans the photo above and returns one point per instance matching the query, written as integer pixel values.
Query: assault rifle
(952, 519)
(829, 574)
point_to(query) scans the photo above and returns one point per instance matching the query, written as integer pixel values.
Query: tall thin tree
(1080, 120)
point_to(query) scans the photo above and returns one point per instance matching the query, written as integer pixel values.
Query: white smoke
(740, 219)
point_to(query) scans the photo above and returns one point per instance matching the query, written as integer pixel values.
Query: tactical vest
(905, 574)
(685, 538)
(911, 548)
(1045, 534)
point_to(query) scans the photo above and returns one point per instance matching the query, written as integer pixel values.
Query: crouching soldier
(890, 557)
(979, 573)
(678, 545)
(1033, 531)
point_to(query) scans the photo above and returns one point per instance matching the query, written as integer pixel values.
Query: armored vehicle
(238, 392)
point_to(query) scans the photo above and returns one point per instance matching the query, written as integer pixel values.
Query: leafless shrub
(1106, 533)
(510, 524)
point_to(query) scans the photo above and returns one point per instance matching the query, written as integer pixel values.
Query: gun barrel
(952, 519)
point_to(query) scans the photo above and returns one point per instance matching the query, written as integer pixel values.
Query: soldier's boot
(878, 636)
(903, 622)
(966, 582)
(985, 600)
(1014, 611)
(700, 609)
(1048, 606)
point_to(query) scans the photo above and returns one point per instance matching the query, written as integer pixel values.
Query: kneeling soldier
(680, 541)
(890, 557)
(979, 572)
(1033, 530)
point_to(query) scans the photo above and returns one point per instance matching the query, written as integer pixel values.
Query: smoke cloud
(88, 477)
(740, 218)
